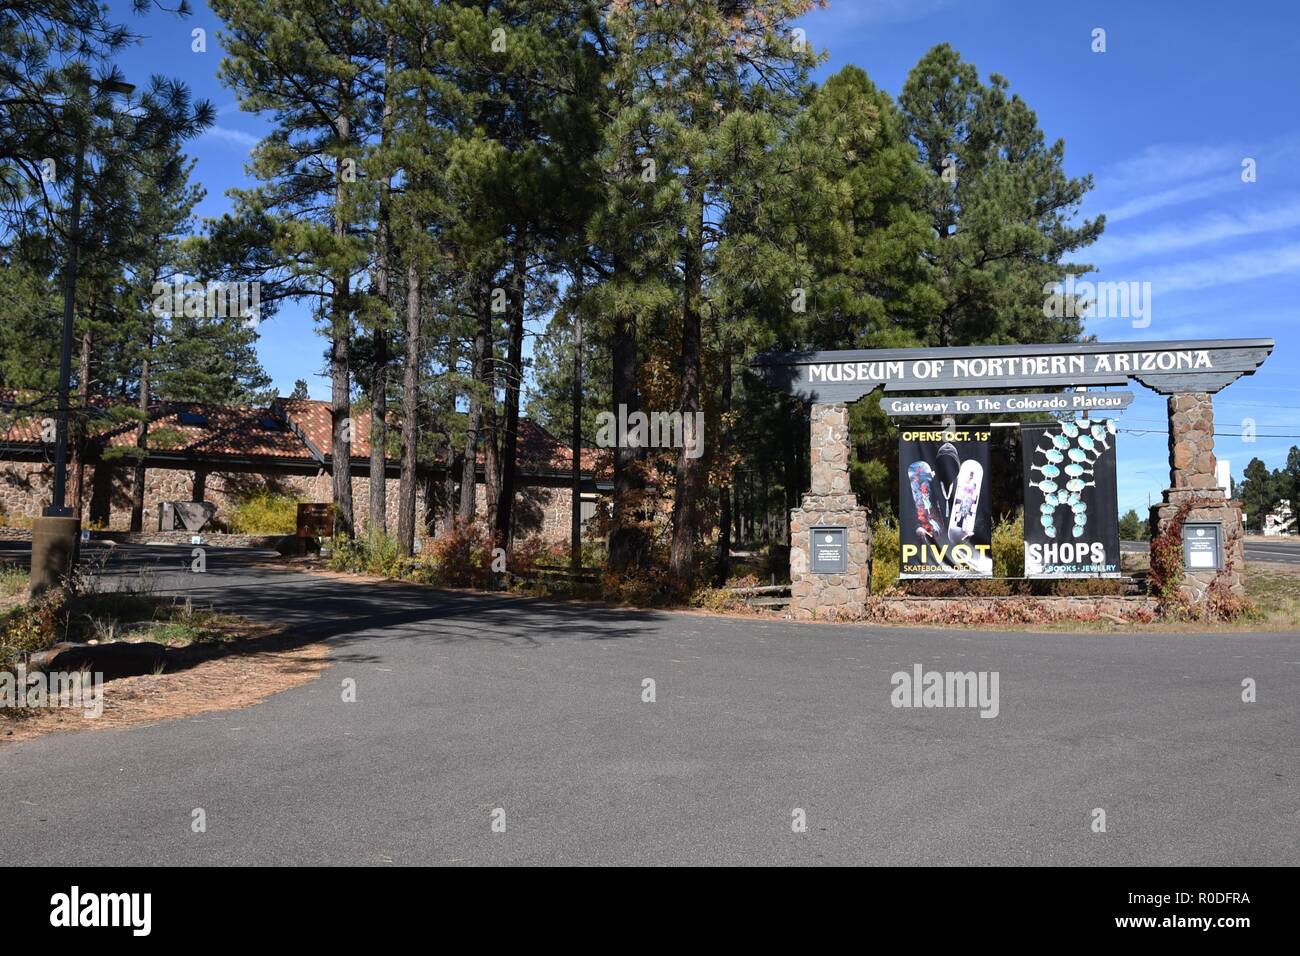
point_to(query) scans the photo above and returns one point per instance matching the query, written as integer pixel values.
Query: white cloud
(845, 13)
(237, 136)
(1174, 196)
(1164, 164)
(1225, 269)
(1202, 231)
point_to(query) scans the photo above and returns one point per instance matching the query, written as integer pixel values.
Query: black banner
(1071, 507)
(945, 527)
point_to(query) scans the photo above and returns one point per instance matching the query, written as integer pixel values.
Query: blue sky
(1162, 119)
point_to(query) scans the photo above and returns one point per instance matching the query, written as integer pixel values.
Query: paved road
(1276, 550)
(469, 703)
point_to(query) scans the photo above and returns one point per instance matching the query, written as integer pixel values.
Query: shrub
(717, 600)
(1087, 587)
(462, 557)
(642, 587)
(32, 627)
(1009, 546)
(884, 554)
(374, 553)
(13, 580)
(266, 512)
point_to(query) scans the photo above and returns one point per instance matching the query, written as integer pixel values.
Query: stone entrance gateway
(828, 573)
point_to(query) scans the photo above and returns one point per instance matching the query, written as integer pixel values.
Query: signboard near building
(1071, 504)
(945, 525)
(315, 520)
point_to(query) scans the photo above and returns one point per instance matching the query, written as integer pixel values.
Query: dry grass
(13, 585)
(243, 665)
(1275, 589)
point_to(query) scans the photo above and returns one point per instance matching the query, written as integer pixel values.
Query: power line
(1165, 431)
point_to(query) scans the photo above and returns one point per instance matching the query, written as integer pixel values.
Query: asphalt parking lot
(472, 708)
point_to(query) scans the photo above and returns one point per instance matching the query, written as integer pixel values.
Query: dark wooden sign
(315, 521)
(1166, 367)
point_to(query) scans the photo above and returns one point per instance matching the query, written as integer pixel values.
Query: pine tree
(1000, 204)
(307, 63)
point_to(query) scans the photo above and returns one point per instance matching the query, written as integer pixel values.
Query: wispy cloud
(1165, 164)
(1203, 231)
(1174, 196)
(1222, 270)
(237, 136)
(1172, 174)
(845, 13)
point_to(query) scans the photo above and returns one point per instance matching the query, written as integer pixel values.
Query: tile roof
(290, 428)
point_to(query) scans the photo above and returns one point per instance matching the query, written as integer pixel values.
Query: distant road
(1276, 550)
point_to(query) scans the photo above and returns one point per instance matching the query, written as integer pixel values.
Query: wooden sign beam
(1166, 367)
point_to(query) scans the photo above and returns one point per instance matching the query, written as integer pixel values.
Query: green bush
(375, 553)
(884, 554)
(1009, 546)
(265, 513)
(32, 627)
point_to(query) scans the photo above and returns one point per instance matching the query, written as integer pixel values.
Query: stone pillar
(830, 501)
(1192, 478)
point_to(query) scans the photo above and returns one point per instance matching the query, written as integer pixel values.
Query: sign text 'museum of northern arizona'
(1164, 366)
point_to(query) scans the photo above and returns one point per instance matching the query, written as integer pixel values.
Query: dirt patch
(237, 678)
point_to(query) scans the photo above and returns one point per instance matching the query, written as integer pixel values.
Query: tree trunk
(141, 444)
(451, 461)
(340, 334)
(626, 542)
(515, 371)
(724, 492)
(477, 403)
(688, 471)
(410, 411)
(79, 432)
(379, 378)
(575, 512)
(379, 435)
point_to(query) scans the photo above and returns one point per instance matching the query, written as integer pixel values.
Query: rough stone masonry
(830, 501)
(1192, 477)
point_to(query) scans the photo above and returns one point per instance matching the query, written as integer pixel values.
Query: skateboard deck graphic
(928, 522)
(965, 502)
(965, 506)
(947, 464)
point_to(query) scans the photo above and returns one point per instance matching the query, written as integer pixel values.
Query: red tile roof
(285, 430)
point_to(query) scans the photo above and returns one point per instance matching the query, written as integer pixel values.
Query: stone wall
(1008, 610)
(829, 502)
(1191, 441)
(1192, 479)
(106, 502)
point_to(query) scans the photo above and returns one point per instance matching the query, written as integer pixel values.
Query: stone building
(224, 454)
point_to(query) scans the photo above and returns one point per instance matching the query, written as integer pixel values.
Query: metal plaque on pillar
(1203, 546)
(829, 553)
